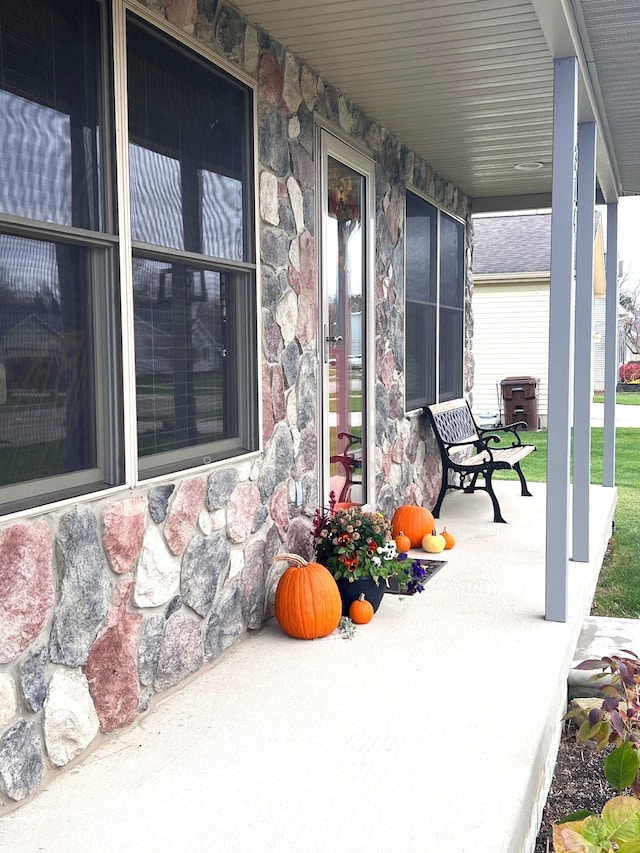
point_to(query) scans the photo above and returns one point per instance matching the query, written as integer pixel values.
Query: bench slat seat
(498, 448)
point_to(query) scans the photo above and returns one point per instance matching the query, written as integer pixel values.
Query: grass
(631, 398)
(618, 591)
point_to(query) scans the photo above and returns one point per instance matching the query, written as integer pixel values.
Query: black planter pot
(350, 591)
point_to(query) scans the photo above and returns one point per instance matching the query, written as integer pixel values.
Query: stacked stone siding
(107, 603)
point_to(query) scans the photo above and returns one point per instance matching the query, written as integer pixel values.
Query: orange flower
(350, 562)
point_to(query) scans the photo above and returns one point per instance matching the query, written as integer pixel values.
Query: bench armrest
(490, 434)
(479, 444)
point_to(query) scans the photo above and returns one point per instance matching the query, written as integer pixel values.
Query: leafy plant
(617, 721)
(353, 543)
(617, 828)
(630, 372)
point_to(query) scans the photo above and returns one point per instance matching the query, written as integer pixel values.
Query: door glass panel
(345, 277)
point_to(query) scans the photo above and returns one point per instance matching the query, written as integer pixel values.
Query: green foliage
(617, 721)
(621, 766)
(353, 543)
(617, 828)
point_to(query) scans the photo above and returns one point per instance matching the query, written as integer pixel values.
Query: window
(192, 263)
(193, 272)
(56, 251)
(435, 278)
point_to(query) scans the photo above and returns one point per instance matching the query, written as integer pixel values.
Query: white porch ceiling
(468, 84)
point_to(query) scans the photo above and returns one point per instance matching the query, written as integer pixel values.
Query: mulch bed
(578, 783)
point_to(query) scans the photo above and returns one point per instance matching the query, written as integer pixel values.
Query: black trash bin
(520, 400)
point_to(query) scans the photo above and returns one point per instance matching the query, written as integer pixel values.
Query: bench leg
(435, 512)
(523, 483)
(497, 515)
(472, 485)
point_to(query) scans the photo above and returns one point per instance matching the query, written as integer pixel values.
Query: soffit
(613, 32)
(467, 85)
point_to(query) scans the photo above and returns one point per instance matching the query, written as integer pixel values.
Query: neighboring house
(511, 260)
(248, 225)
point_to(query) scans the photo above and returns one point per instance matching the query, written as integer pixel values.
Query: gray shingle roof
(514, 244)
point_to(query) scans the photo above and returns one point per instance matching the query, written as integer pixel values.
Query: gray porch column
(583, 371)
(611, 348)
(565, 96)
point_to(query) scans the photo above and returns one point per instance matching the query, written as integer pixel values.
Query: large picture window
(435, 277)
(190, 273)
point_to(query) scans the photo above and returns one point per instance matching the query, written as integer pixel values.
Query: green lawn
(623, 399)
(618, 592)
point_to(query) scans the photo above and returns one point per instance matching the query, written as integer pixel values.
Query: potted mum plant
(358, 549)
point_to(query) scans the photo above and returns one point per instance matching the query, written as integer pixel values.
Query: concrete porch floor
(433, 730)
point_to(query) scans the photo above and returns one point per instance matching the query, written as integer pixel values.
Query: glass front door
(346, 268)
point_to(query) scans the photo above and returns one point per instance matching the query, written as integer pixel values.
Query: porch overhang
(468, 85)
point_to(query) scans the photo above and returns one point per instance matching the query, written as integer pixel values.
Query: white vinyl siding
(511, 338)
(599, 307)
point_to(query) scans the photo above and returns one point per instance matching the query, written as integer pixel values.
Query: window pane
(451, 262)
(421, 250)
(421, 355)
(190, 326)
(188, 128)
(46, 366)
(49, 67)
(421, 273)
(451, 349)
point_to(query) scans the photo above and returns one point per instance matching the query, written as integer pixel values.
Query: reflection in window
(185, 377)
(189, 164)
(46, 369)
(36, 139)
(49, 69)
(154, 176)
(221, 216)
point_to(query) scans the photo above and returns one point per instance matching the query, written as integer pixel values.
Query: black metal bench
(456, 432)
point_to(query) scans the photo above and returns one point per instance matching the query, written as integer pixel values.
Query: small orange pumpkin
(415, 521)
(308, 603)
(361, 610)
(403, 543)
(449, 539)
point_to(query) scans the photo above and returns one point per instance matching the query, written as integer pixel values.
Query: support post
(583, 369)
(565, 97)
(611, 348)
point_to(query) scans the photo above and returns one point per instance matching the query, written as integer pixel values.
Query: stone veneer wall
(106, 604)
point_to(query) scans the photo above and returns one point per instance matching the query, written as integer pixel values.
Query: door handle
(334, 339)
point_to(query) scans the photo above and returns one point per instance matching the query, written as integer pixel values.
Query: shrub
(630, 372)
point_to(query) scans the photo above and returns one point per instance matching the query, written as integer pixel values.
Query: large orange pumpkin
(414, 521)
(308, 603)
